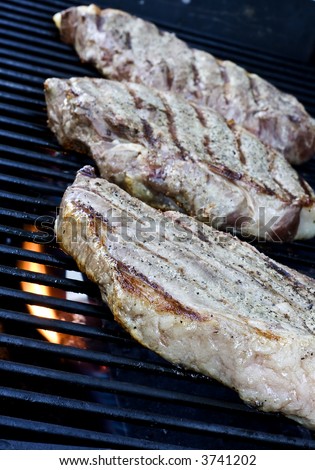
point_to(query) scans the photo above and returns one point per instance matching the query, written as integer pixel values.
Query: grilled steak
(124, 47)
(175, 155)
(198, 297)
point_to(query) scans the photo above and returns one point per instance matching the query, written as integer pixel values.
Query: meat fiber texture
(123, 47)
(200, 298)
(176, 155)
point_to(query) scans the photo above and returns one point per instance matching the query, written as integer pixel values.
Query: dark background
(279, 27)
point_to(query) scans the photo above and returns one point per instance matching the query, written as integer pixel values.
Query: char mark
(196, 76)
(239, 150)
(138, 284)
(169, 76)
(225, 80)
(200, 115)
(253, 90)
(136, 99)
(172, 128)
(128, 40)
(148, 132)
(99, 21)
(226, 172)
(93, 216)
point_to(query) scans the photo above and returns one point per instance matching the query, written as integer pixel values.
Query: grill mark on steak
(128, 40)
(172, 128)
(239, 148)
(267, 334)
(169, 76)
(132, 279)
(148, 132)
(137, 283)
(253, 90)
(202, 120)
(226, 172)
(200, 115)
(283, 188)
(136, 99)
(196, 76)
(225, 80)
(146, 127)
(99, 21)
(206, 144)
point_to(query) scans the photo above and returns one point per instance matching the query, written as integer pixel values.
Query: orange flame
(49, 313)
(39, 289)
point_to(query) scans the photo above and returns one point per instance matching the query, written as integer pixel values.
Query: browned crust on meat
(139, 285)
(266, 334)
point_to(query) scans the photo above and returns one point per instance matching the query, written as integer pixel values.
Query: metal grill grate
(55, 395)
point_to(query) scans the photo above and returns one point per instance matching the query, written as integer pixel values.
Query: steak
(176, 155)
(123, 47)
(200, 298)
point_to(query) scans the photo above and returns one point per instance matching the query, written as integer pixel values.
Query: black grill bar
(22, 234)
(23, 199)
(25, 11)
(61, 327)
(71, 285)
(70, 306)
(35, 257)
(26, 167)
(38, 51)
(32, 184)
(24, 100)
(19, 64)
(26, 38)
(125, 388)
(23, 125)
(152, 419)
(14, 75)
(17, 137)
(17, 111)
(23, 19)
(29, 218)
(38, 156)
(75, 434)
(95, 357)
(23, 88)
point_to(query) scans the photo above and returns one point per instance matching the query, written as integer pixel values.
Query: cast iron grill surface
(98, 388)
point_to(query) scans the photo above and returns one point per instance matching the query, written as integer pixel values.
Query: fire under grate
(96, 387)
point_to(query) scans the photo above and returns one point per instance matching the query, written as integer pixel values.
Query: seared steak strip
(198, 297)
(177, 155)
(124, 47)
